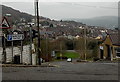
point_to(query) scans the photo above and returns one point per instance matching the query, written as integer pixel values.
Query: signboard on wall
(101, 47)
(15, 37)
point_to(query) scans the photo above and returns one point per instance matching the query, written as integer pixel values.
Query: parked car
(69, 60)
(41, 60)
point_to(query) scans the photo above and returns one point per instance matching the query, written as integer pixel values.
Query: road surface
(63, 71)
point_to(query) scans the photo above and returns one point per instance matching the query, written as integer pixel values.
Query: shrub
(95, 59)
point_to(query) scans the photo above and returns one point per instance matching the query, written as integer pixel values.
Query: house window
(117, 52)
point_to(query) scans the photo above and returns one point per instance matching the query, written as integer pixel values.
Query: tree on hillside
(91, 47)
(44, 23)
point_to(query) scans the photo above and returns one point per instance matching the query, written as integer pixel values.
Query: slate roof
(115, 38)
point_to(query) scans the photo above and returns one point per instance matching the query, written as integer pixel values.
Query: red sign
(4, 24)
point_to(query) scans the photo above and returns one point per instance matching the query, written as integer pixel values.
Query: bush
(95, 59)
(79, 60)
(62, 57)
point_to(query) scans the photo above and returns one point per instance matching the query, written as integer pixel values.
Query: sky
(64, 9)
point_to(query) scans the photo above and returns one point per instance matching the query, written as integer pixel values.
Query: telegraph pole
(38, 28)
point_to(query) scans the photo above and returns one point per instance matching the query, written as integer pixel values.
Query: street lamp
(30, 33)
(46, 35)
(85, 41)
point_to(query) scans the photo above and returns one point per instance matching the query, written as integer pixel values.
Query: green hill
(15, 14)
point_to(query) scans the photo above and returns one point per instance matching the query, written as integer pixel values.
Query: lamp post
(46, 41)
(61, 49)
(85, 41)
(30, 26)
(12, 46)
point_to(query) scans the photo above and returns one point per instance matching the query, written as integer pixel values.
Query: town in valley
(35, 47)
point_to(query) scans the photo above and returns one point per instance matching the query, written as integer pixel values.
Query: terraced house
(110, 47)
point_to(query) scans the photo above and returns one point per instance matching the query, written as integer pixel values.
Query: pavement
(63, 70)
(21, 65)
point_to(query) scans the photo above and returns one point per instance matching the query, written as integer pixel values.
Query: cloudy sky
(67, 9)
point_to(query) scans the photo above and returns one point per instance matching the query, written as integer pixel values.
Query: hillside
(15, 14)
(103, 21)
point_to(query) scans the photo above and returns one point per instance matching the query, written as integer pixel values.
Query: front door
(101, 54)
(108, 52)
(16, 59)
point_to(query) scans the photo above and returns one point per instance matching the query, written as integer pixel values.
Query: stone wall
(17, 51)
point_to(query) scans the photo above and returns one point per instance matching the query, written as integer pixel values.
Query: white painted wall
(17, 51)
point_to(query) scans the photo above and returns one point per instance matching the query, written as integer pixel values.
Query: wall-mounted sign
(15, 37)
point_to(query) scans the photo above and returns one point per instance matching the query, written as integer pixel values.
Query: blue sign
(15, 37)
(9, 37)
